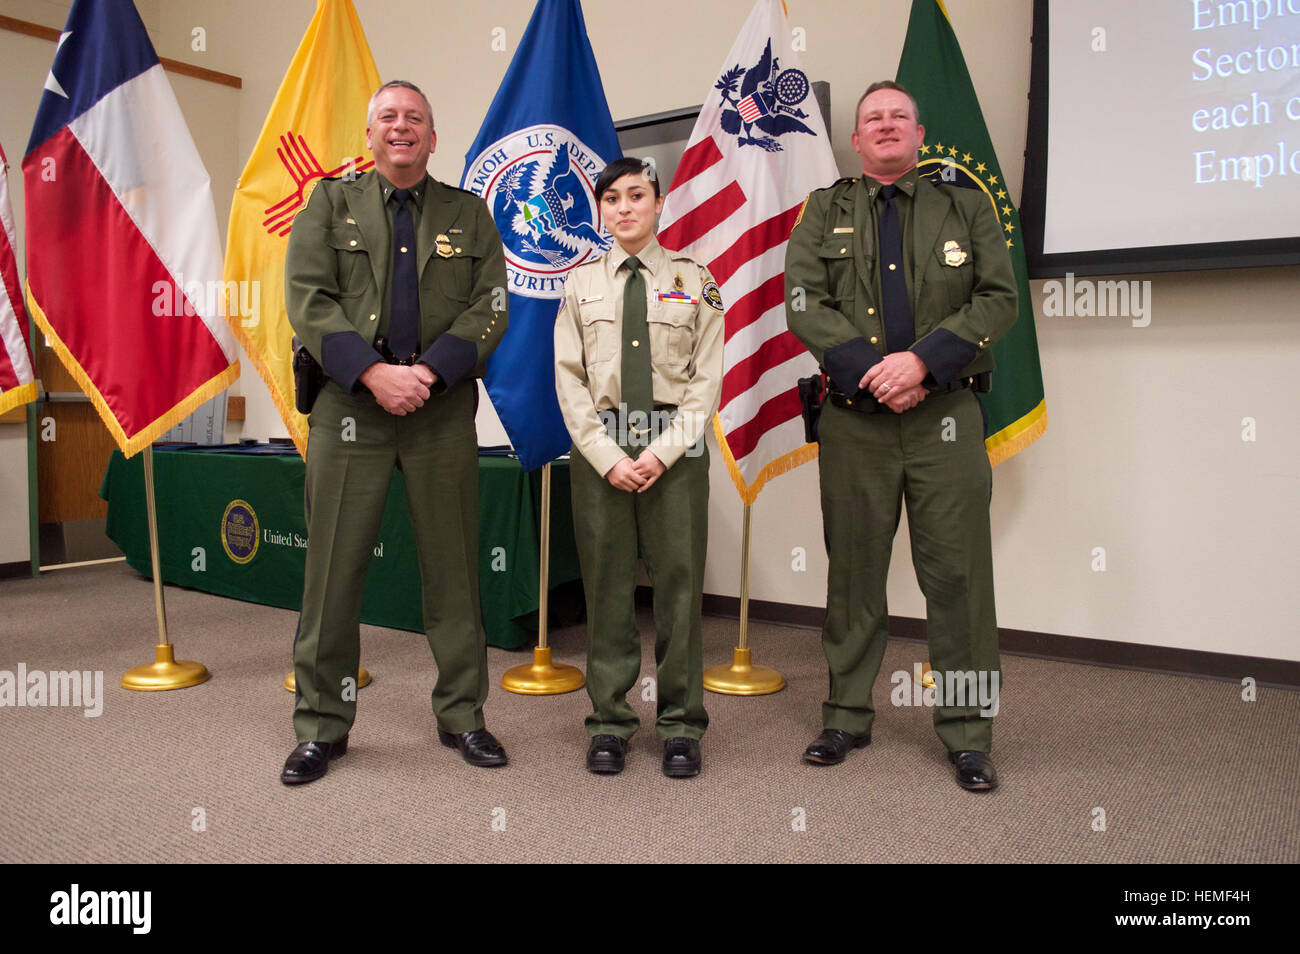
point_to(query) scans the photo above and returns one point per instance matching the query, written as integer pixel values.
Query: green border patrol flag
(958, 149)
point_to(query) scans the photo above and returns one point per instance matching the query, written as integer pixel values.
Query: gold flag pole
(542, 677)
(742, 678)
(164, 672)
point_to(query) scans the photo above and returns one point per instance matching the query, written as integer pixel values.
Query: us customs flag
(123, 258)
(758, 148)
(958, 150)
(316, 127)
(546, 137)
(17, 383)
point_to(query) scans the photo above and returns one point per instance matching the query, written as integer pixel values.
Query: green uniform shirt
(960, 280)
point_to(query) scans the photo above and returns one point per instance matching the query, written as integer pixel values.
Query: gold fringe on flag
(163, 423)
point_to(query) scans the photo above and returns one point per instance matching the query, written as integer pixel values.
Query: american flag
(17, 384)
(734, 199)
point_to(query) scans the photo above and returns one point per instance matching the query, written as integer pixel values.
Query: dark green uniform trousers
(933, 457)
(352, 448)
(668, 526)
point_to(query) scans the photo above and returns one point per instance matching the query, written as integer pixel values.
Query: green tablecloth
(232, 524)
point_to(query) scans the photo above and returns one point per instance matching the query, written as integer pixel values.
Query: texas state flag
(123, 255)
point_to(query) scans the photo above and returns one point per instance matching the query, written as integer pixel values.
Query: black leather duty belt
(867, 404)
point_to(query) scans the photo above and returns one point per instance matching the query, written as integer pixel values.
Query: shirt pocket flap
(677, 314)
(838, 246)
(596, 311)
(345, 239)
(599, 341)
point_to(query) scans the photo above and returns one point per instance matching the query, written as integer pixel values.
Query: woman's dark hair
(627, 166)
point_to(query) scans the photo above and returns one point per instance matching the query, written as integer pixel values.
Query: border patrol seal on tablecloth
(239, 531)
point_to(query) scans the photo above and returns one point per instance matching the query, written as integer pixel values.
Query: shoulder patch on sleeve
(799, 218)
(712, 297)
(308, 188)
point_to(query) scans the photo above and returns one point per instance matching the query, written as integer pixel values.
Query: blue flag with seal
(547, 136)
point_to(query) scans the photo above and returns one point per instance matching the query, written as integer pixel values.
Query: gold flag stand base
(165, 672)
(742, 678)
(927, 677)
(363, 680)
(543, 678)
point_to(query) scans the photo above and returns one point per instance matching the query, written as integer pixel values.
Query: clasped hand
(638, 475)
(896, 381)
(399, 388)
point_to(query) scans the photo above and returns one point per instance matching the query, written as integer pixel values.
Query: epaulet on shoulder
(845, 180)
(454, 188)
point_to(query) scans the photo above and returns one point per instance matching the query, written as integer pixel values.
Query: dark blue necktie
(900, 330)
(404, 315)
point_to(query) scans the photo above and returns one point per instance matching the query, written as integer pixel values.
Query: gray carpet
(1184, 770)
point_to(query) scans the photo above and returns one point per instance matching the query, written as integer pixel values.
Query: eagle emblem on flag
(765, 98)
(538, 185)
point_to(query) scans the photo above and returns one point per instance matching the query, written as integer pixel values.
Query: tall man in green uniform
(390, 283)
(899, 288)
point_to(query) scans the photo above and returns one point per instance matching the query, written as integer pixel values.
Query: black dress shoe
(606, 754)
(833, 746)
(310, 760)
(975, 771)
(681, 757)
(477, 747)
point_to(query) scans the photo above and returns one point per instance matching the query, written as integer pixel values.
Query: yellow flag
(316, 128)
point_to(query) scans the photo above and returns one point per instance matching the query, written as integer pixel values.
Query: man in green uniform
(638, 374)
(899, 288)
(390, 283)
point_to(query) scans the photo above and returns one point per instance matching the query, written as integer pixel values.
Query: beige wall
(1143, 456)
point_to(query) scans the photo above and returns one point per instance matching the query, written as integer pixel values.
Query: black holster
(308, 378)
(812, 394)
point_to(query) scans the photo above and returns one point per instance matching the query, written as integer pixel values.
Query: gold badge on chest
(953, 254)
(442, 245)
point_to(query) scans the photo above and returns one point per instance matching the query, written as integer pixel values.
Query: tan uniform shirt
(685, 317)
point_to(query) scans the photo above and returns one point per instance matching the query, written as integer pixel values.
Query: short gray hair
(370, 108)
(886, 84)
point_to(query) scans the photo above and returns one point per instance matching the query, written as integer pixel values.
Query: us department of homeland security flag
(546, 138)
(17, 383)
(316, 127)
(958, 149)
(123, 257)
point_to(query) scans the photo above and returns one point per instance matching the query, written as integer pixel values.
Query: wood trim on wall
(1111, 653)
(14, 25)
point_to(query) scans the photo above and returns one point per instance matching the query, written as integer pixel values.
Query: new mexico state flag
(316, 128)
